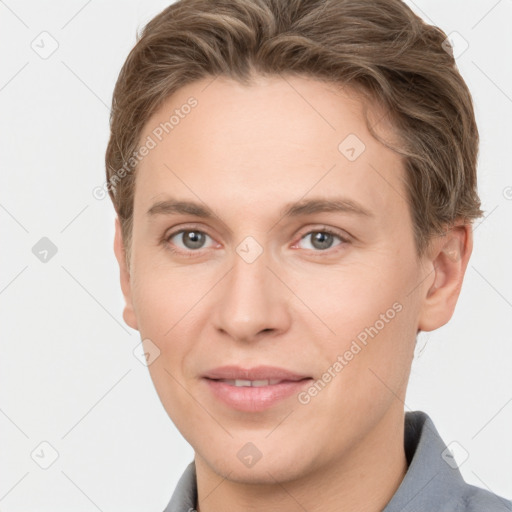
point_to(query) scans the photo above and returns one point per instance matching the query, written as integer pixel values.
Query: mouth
(256, 389)
(240, 383)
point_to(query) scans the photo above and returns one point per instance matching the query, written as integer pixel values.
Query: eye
(192, 240)
(322, 239)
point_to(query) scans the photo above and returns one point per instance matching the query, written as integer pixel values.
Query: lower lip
(255, 399)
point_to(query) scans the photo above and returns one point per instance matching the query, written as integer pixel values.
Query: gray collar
(432, 482)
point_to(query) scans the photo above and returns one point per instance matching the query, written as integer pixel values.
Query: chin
(278, 466)
(261, 474)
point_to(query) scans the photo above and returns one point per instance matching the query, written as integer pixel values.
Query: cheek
(165, 313)
(350, 299)
(179, 402)
(166, 298)
(372, 319)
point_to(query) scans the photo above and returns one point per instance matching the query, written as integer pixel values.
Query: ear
(124, 273)
(447, 258)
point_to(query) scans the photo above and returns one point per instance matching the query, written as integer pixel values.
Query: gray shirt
(433, 483)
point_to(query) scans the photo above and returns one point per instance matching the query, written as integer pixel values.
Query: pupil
(321, 238)
(193, 240)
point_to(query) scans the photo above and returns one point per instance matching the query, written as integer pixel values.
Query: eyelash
(191, 253)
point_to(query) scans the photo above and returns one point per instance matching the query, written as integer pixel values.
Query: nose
(252, 301)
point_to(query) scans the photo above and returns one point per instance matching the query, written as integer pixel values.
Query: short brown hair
(378, 48)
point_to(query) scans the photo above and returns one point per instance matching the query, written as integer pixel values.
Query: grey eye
(191, 239)
(321, 240)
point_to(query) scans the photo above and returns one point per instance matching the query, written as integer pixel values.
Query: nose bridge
(251, 299)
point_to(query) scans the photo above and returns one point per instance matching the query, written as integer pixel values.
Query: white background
(68, 373)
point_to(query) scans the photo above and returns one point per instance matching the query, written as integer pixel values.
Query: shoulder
(433, 480)
(475, 499)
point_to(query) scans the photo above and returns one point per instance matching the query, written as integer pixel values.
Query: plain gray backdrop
(73, 396)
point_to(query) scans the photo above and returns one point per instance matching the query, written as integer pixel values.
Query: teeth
(251, 383)
(243, 383)
(256, 383)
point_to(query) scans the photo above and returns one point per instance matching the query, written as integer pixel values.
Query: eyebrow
(304, 207)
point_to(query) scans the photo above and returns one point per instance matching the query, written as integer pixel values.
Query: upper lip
(256, 373)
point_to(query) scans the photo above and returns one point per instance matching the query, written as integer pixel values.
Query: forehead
(278, 139)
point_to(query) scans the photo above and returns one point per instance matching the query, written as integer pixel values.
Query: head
(257, 111)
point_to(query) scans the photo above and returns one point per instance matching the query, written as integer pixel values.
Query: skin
(245, 152)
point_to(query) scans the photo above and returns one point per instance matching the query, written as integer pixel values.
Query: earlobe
(124, 275)
(448, 259)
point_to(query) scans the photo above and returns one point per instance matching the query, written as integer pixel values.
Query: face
(296, 266)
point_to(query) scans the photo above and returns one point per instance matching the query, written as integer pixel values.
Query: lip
(254, 399)
(232, 372)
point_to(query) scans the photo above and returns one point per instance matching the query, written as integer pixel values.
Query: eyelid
(184, 227)
(341, 234)
(178, 230)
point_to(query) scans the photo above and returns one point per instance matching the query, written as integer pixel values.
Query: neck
(364, 479)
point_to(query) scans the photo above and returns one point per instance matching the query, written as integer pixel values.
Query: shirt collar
(432, 479)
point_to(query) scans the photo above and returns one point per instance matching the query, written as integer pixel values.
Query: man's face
(252, 286)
